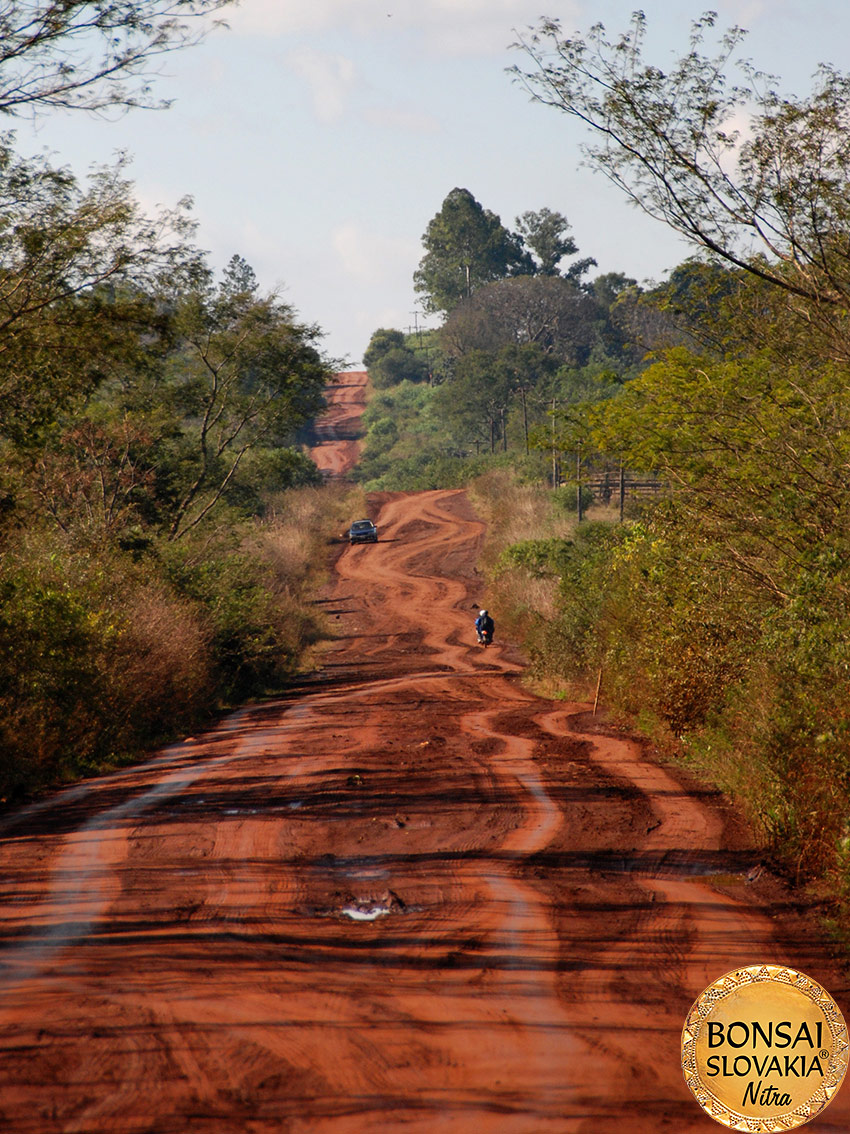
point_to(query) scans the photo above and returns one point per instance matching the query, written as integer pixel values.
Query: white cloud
(368, 258)
(744, 13)
(331, 79)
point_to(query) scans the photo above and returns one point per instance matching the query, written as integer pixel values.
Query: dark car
(362, 531)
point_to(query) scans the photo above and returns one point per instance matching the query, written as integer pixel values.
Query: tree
(89, 54)
(775, 203)
(547, 311)
(399, 365)
(382, 342)
(95, 476)
(607, 287)
(390, 360)
(475, 401)
(759, 456)
(81, 270)
(465, 246)
(247, 375)
(523, 370)
(545, 234)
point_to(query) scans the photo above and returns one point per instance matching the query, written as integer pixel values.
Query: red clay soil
(337, 431)
(411, 896)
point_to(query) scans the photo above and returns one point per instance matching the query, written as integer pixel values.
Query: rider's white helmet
(482, 613)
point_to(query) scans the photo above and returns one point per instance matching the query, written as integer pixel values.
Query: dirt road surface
(410, 896)
(337, 431)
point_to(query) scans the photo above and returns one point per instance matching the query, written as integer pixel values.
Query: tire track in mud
(412, 896)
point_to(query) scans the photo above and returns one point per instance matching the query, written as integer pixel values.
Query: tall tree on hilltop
(466, 245)
(546, 235)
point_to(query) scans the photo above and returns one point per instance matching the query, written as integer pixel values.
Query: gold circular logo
(764, 1049)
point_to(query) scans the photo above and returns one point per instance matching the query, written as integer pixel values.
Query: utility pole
(417, 330)
(555, 476)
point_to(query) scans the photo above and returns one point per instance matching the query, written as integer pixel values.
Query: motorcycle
(485, 637)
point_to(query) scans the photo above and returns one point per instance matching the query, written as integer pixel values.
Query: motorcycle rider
(484, 626)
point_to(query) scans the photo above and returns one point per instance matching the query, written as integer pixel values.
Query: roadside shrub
(160, 667)
(106, 652)
(97, 659)
(565, 498)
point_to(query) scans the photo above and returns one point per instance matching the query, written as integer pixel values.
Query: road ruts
(337, 431)
(411, 896)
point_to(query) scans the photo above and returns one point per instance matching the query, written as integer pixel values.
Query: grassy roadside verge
(687, 663)
(527, 561)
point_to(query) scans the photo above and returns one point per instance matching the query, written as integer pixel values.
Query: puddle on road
(372, 913)
(367, 908)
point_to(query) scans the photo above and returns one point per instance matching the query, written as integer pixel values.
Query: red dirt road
(409, 897)
(337, 431)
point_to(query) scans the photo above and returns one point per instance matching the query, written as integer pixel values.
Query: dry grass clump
(515, 512)
(160, 664)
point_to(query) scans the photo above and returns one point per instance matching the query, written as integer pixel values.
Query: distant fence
(613, 487)
(607, 486)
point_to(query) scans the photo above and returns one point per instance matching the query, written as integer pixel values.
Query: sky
(317, 138)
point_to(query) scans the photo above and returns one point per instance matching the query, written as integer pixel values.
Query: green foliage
(663, 135)
(97, 658)
(106, 652)
(536, 556)
(399, 365)
(89, 55)
(247, 374)
(722, 613)
(565, 498)
(149, 415)
(759, 453)
(80, 276)
(383, 341)
(465, 246)
(263, 472)
(256, 639)
(475, 400)
(390, 360)
(545, 234)
(411, 445)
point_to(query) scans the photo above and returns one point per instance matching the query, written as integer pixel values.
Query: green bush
(106, 652)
